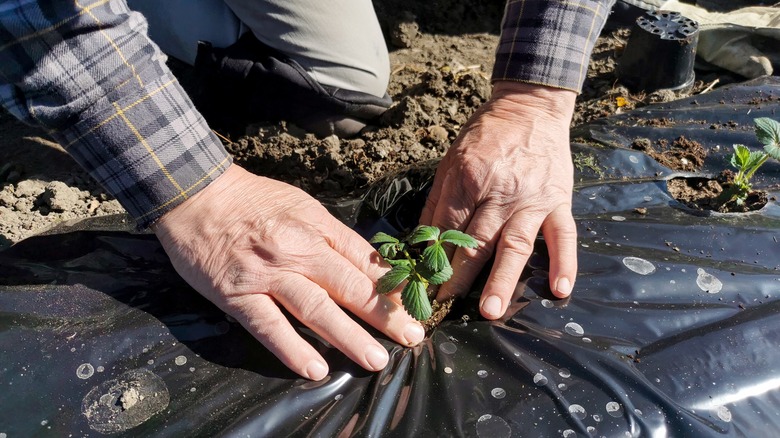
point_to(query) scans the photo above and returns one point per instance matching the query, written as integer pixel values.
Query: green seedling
(420, 260)
(747, 162)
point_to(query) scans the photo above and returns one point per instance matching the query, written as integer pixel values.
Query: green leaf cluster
(419, 259)
(747, 162)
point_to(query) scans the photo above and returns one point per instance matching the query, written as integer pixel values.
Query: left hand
(508, 175)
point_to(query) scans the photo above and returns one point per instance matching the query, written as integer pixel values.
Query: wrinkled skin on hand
(508, 175)
(252, 245)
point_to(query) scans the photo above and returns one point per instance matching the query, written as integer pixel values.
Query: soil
(711, 194)
(441, 59)
(683, 154)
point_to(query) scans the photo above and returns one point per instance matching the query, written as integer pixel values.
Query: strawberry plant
(747, 162)
(419, 259)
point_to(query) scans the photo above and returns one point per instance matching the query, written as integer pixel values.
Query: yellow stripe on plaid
(111, 41)
(189, 189)
(584, 60)
(514, 37)
(154, 156)
(115, 115)
(85, 10)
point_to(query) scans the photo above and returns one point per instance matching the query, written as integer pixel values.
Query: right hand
(251, 244)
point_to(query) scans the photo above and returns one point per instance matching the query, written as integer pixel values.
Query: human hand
(508, 175)
(252, 245)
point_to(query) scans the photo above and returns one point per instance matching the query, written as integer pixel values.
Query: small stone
(30, 188)
(60, 197)
(438, 134)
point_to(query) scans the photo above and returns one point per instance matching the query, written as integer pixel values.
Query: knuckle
(517, 242)
(483, 251)
(312, 304)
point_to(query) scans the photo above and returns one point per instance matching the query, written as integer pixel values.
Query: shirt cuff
(549, 42)
(151, 149)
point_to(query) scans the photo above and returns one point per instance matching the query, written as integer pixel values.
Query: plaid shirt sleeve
(85, 71)
(549, 42)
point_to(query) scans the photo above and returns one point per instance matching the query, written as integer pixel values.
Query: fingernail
(492, 306)
(316, 370)
(564, 286)
(414, 333)
(376, 357)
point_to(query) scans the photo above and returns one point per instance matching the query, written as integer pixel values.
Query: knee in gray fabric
(251, 82)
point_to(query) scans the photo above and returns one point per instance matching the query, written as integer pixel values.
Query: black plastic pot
(660, 53)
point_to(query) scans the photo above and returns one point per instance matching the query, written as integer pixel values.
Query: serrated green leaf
(768, 132)
(399, 262)
(773, 150)
(435, 258)
(381, 237)
(415, 299)
(388, 250)
(423, 233)
(441, 276)
(458, 238)
(393, 278)
(755, 159)
(740, 157)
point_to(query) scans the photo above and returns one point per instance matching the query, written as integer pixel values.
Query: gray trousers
(337, 42)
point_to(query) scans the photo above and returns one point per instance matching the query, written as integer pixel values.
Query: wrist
(198, 204)
(555, 102)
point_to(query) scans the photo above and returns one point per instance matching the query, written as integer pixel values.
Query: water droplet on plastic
(192, 369)
(587, 340)
(150, 361)
(562, 386)
(498, 393)
(640, 266)
(597, 418)
(591, 430)
(565, 373)
(85, 371)
(448, 347)
(193, 389)
(574, 329)
(3, 435)
(638, 412)
(44, 422)
(633, 159)
(547, 303)
(618, 218)
(724, 413)
(100, 369)
(614, 409)
(180, 360)
(338, 397)
(491, 426)
(568, 433)
(482, 373)
(577, 411)
(540, 379)
(707, 282)
(648, 198)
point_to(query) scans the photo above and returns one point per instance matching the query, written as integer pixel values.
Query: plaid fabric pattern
(85, 71)
(549, 42)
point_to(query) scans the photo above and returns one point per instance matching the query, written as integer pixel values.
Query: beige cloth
(745, 41)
